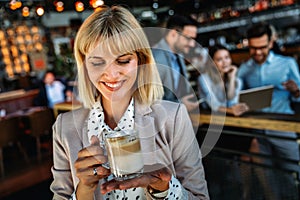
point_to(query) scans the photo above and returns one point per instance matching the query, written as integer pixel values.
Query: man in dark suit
(168, 53)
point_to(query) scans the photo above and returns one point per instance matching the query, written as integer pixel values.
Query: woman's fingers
(95, 140)
(88, 164)
(94, 171)
(158, 179)
(83, 162)
(141, 181)
(90, 150)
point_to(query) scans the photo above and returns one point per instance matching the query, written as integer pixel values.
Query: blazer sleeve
(62, 185)
(187, 157)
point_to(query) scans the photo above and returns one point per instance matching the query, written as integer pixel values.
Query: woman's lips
(112, 86)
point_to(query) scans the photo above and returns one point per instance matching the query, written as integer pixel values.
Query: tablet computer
(257, 98)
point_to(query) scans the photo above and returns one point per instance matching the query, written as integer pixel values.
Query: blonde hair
(117, 31)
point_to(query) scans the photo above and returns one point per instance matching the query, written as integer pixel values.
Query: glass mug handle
(102, 145)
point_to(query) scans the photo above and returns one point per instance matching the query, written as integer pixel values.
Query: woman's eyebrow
(126, 54)
(99, 57)
(95, 57)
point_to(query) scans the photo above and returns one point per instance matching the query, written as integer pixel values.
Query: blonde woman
(120, 89)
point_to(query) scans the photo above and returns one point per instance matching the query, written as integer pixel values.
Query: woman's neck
(222, 75)
(113, 111)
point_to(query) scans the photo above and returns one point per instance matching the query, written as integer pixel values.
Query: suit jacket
(41, 99)
(161, 52)
(167, 137)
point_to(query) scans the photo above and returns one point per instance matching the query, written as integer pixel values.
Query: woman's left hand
(158, 180)
(232, 72)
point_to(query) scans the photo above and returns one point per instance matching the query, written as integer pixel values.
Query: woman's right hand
(90, 160)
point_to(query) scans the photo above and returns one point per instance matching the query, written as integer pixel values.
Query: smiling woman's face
(114, 76)
(222, 60)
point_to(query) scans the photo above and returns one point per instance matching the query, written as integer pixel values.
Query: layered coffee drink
(124, 154)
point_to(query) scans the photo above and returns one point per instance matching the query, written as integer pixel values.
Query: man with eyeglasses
(267, 68)
(168, 53)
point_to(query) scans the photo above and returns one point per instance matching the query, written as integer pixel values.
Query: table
(264, 121)
(66, 106)
(17, 100)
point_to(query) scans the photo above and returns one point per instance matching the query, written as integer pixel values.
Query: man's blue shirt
(274, 71)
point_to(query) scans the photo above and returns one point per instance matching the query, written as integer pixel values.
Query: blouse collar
(97, 125)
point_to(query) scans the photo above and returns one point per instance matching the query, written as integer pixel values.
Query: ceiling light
(25, 11)
(40, 11)
(14, 4)
(59, 6)
(79, 6)
(96, 3)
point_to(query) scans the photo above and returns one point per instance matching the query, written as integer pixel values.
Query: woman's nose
(112, 71)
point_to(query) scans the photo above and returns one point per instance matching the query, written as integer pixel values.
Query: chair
(10, 133)
(40, 124)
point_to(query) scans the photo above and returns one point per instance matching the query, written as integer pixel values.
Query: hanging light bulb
(59, 6)
(14, 4)
(25, 11)
(79, 6)
(96, 3)
(155, 4)
(40, 11)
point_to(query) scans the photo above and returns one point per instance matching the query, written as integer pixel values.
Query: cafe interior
(37, 36)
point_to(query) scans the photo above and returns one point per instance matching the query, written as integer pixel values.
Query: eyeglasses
(188, 38)
(259, 48)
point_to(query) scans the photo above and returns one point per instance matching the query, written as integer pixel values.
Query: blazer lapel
(81, 129)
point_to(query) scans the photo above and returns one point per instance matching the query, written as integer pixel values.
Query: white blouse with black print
(97, 126)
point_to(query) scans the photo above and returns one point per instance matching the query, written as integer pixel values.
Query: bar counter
(254, 120)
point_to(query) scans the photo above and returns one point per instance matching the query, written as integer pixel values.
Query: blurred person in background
(219, 84)
(169, 53)
(267, 68)
(51, 91)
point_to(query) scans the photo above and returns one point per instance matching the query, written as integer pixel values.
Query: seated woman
(219, 84)
(220, 87)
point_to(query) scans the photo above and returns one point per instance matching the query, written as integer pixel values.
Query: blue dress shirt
(274, 71)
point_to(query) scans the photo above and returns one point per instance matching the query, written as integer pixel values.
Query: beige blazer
(167, 137)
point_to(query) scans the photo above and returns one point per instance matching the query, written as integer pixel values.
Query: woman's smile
(113, 86)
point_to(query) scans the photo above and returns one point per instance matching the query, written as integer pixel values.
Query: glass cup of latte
(124, 154)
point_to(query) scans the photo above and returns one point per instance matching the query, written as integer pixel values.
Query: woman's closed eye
(96, 61)
(103, 63)
(96, 64)
(123, 62)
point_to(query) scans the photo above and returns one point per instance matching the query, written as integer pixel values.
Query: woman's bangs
(121, 43)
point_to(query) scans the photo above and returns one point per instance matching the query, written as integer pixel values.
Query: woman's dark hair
(258, 30)
(212, 50)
